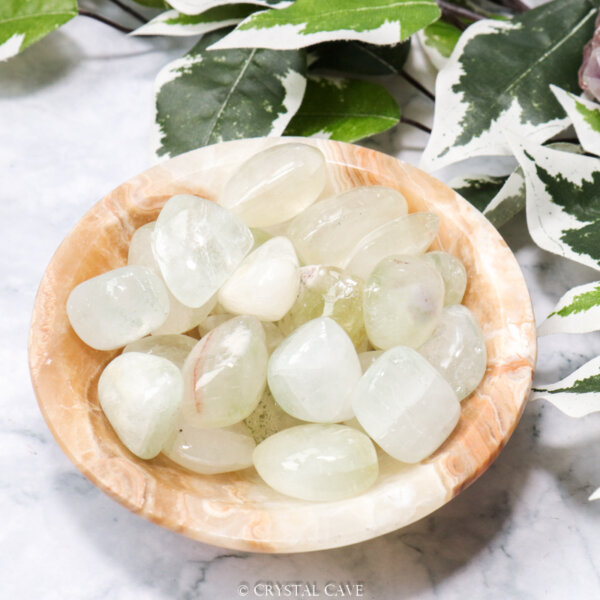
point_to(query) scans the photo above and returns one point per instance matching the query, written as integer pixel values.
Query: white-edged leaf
(585, 116)
(197, 7)
(308, 22)
(595, 495)
(212, 96)
(438, 40)
(175, 23)
(576, 395)
(509, 201)
(563, 200)
(578, 311)
(24, 22)
(479, 190)
(498, 78)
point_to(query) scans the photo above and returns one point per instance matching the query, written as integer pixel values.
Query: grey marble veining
(75, 114)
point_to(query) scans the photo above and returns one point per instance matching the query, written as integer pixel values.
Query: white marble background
(75, 114)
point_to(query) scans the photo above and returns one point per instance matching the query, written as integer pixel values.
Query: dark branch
(85, 13)
(451, 11)
(127, 9)
(415, 124)
(417, 85)
(516, 5)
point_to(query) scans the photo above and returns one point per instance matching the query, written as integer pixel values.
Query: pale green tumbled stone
(198, 245)
(453, 273)
(172, 347)
(273, 336)
(318, 462)
(268, 418)
(260, 237)
(327, 232)
(328, 292)
(210, 451)
(276, 184)
(266, 284)
(405, 405)
(457, 349)
(225, 374)
(402, 302)
(313, 372)
(118, 307)
(141, 396)
(368, 358)
(213, 321)
(411, 234)
(181, 318)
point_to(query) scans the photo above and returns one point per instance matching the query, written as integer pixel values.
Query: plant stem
(516, 5)
(417, 85)
(415, 124)
(127, 9)
(451, 10)
(85, 13)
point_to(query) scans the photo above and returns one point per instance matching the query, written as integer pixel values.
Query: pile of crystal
(286, 329)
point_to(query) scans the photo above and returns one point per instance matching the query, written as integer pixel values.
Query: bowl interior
(237, 510)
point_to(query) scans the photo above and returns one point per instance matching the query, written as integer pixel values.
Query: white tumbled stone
(411, 234)
(313, 372)
(457, 349)
(273, 336)
(368, 358)
(318, 462)
(118, 307)
(210, 451)
(225, 374)
(266, 284)
(453, 273)
(172, 347)
(141, 396)
(402, 302)
(276, 184)
(181, 318)
(327, 232)
(198, 245)
(213, 321)
(405, 405)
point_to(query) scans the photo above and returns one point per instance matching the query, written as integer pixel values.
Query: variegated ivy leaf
(576, 395)
(585, 116)
(509, 201)
(563, 200)
(578, 311)
(24, 22)
(479, 190)
(344, 109)
(497, 79)
(211, 96)
(174, 23)
(308, 22)
(595, 495)
(153, 3)
(197, 7)
(438, 41)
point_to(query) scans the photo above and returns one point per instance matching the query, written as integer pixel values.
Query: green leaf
(578, 311)
(196, 7)
(585, 116)
(498, 78)
(563, 200)
(360, 58)
(479, 190)
(211, 96)
(24, 22)
(438, 40)
(153, 3)
(309, 22)
(344, 109)
(174, 23)
(576, 395)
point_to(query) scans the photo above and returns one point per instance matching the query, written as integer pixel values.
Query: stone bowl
(237, 510)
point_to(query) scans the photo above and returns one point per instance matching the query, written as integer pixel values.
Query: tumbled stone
(260, 237)
(181, 317)
(453, 273)
(172, 347)
(118, 307)
(210, 451)
(141, 397)
(318, 462)
(405, 405)
(268, 418)
(403, 300)
(411, 234)
(198, 245)
(273, 336)
(457, 350)
(313, 372)
(327, 232)
(328, 292)
(265, 285)
(213, 321)
(225, 374)
(276, 184)
(368, 358)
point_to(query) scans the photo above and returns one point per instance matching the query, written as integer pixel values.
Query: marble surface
(75, 114)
